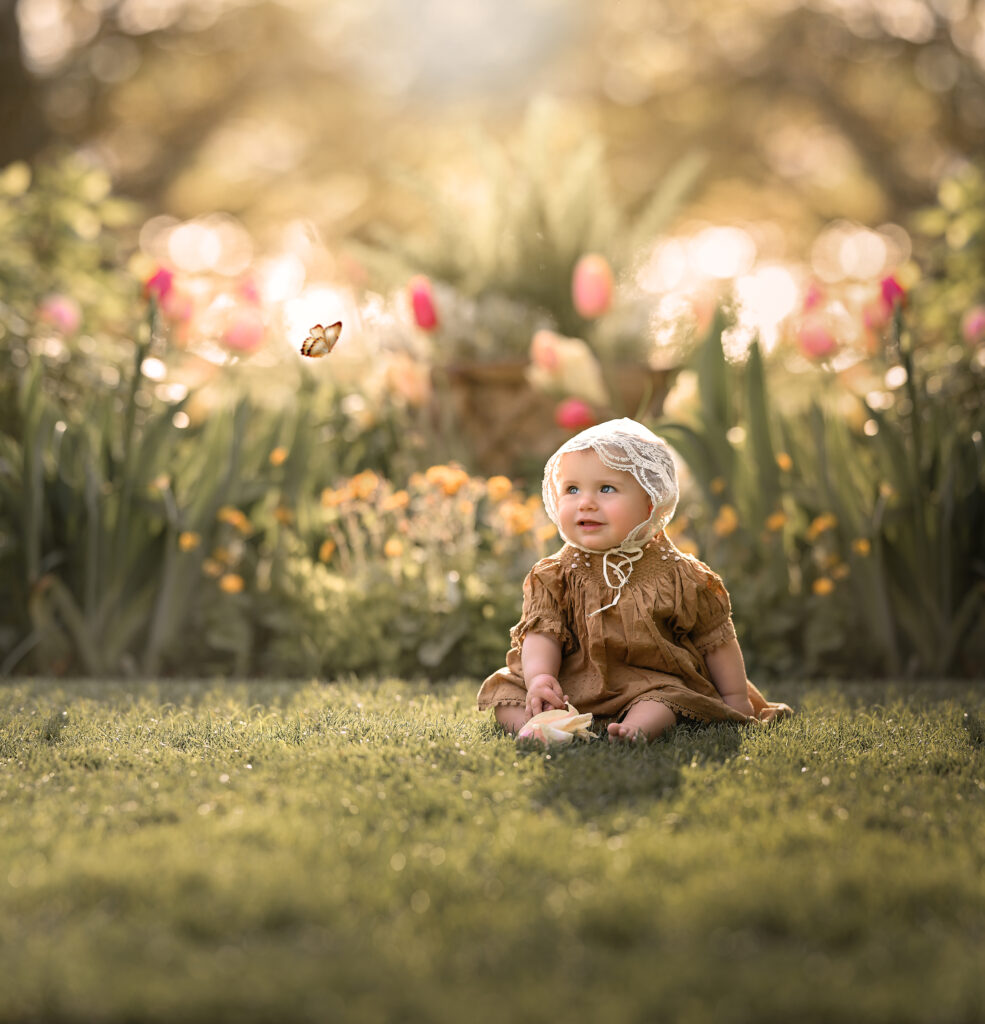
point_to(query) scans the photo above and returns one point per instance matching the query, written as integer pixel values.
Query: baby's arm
(540, 657)
(728, 673)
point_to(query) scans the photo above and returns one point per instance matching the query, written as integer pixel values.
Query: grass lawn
(378, 852)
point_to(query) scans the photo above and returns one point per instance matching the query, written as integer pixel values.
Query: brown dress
(650, 646)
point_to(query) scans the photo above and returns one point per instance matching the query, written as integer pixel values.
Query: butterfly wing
(321, 340)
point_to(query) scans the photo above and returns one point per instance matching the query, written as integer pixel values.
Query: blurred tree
(811, 109)
(23, 131)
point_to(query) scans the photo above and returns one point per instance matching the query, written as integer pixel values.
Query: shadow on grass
(599, 777)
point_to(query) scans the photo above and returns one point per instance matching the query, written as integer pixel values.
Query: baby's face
(598, 506)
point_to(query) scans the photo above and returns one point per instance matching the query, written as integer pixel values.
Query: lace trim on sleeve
(721, 634)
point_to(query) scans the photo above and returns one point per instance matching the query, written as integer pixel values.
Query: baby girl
(619, 622)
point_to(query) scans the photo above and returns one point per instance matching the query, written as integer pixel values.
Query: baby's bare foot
(620, 732)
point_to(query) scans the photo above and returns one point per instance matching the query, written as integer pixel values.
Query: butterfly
(321, 340)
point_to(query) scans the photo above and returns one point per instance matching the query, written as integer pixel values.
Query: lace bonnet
(628, 446)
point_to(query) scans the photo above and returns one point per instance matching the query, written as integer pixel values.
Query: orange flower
(840, 571)
(222, 556)
(498, 487)
(517, 518)
(189, 540)
(861, 546)
(393, 548)
(820, 525)
(231, 583)
(822, 586)
(364, 484)
(278, 456)
(546, 532)
(775, 521)
(450, 479)
(686, 546)
(726, 521)
(212, 567)
(326, 550)
(718, 485)
(283, 515)
(233, 516)
(784, 461)
(397, 500)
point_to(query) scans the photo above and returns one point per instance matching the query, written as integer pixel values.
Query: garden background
(758, 226)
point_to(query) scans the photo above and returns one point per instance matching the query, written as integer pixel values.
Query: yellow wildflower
(188, 540)
(212, 567)
(726, 521)
(393, 548)
(283, 515)
(861, 546)
(822, 586)
(222, 556)
(498, 487)
(718, 485)
(517, 518)
(363, 484)
(820, 525)
(887, 490)
(233, 516)
(775, 521)
(231, 583)
(450, 479)
(326, 550)
(546, 532)
(686, 546)
(784, 461)
(278, 456)
(840, 571)
(417, 481)
(397, 500)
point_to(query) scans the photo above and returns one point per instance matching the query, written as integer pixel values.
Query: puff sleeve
(543, 607)
(713, 615)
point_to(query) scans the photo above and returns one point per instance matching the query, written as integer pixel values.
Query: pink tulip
(973, 325)
(875, 316)
(61, 312)
(591, 286)
(813, 297)
(244, 330)
(816, 341)
(422, 302)
(574, 414)
(544, 350)
(158, 286)
(893, 293)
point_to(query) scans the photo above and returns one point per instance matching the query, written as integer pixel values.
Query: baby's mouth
(587, 524)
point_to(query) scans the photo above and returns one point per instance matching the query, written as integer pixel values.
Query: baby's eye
(605, 488)
(571, 489)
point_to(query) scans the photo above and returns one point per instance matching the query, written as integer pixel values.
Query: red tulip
(159, 284)
(574, 414)
(591, 286)
(422, 302)
(893, 293)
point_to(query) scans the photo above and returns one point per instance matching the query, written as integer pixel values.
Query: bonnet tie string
(621, 565)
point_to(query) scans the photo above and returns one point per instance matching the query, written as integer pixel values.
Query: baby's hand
(544, 692)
